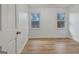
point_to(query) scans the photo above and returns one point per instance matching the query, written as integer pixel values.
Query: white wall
(74, 8)
(74, 22)
(48, 23)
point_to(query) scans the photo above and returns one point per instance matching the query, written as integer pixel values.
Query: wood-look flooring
(51, 46)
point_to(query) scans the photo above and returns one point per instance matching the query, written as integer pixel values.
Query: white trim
(52, 37)
(75, 39)
(20, 50)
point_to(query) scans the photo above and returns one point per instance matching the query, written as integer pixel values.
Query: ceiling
(52, 5)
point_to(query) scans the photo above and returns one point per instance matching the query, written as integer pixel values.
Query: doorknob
(18, 33)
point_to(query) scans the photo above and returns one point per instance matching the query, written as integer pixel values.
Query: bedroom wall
(48, 23)
(74, 22)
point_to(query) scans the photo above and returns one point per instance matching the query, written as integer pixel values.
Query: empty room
(39, 29)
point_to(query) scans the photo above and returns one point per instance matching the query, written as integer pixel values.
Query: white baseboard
(20, 50)
(75, 39)
(51, 37)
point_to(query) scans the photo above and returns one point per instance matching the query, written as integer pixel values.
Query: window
(35, 20)
(60, 20)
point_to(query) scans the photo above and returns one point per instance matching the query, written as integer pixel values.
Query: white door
(8, 31)
(22, 26)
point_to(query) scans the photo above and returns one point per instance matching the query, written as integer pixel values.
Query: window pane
(35, 16)
(60, 16)
(35, 24)
(60, 24)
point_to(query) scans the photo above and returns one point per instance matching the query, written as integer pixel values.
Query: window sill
(35, 28)
(60, 28)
